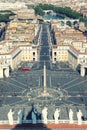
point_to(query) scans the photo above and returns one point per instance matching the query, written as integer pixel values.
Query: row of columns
(82, 71)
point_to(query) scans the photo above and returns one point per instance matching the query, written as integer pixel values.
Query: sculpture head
(57, 109)
(70, 110)
(45, 108)
(34, 110)
(10, 110)
(20, 111)
(79, 111)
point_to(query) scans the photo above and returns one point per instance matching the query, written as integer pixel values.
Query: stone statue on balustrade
(20, 116)
(70, 116)
(44, 115)
(10, 117)
(56, 116)
(79, 117)
(34, 116)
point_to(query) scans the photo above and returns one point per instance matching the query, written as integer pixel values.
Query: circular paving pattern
(38, 96)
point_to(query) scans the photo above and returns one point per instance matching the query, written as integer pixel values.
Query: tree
(62, 11)
(39, 11)
(4, 15)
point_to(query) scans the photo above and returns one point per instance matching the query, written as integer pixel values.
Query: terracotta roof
(2, 42)
(11, 51)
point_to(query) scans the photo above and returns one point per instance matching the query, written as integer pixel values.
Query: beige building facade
(68, 54)
(60, 53)
(29, 53)
(19, 54)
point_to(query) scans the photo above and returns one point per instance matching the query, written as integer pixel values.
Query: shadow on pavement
(31, 127)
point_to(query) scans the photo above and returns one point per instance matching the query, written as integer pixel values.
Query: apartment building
(71, 46)
(14, 56)
(60, 53)
(29, 53)
(25, 14)
(83, 10)
(18, 44)
(22, 31)
(10, 6)
(69, 54)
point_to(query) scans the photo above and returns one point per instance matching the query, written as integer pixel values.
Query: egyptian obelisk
(45, 86)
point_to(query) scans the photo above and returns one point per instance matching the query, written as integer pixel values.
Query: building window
(33, 59)
(54, 53)
(54, 59)
(33, 53)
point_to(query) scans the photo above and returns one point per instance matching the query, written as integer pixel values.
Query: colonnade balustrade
(44, 117)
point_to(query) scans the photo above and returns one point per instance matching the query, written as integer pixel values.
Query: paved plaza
(17, 92)
(65, 88)
(23, 90)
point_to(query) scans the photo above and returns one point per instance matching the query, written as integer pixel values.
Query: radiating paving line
(63, 104)
(17, 102)
(12, 84)
(18, 82)
(68, 101)
(30, 74)
(76, 84)
(24, 91)
(70, 81)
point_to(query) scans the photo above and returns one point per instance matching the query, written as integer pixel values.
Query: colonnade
(82, 70)
(44, 116)
(4, 71)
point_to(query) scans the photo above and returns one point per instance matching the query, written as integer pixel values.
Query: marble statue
(79, 117)
(34, 117)
(44, 115)
(20, 116)
(10, 117)
(71, 116)
(56, 116)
